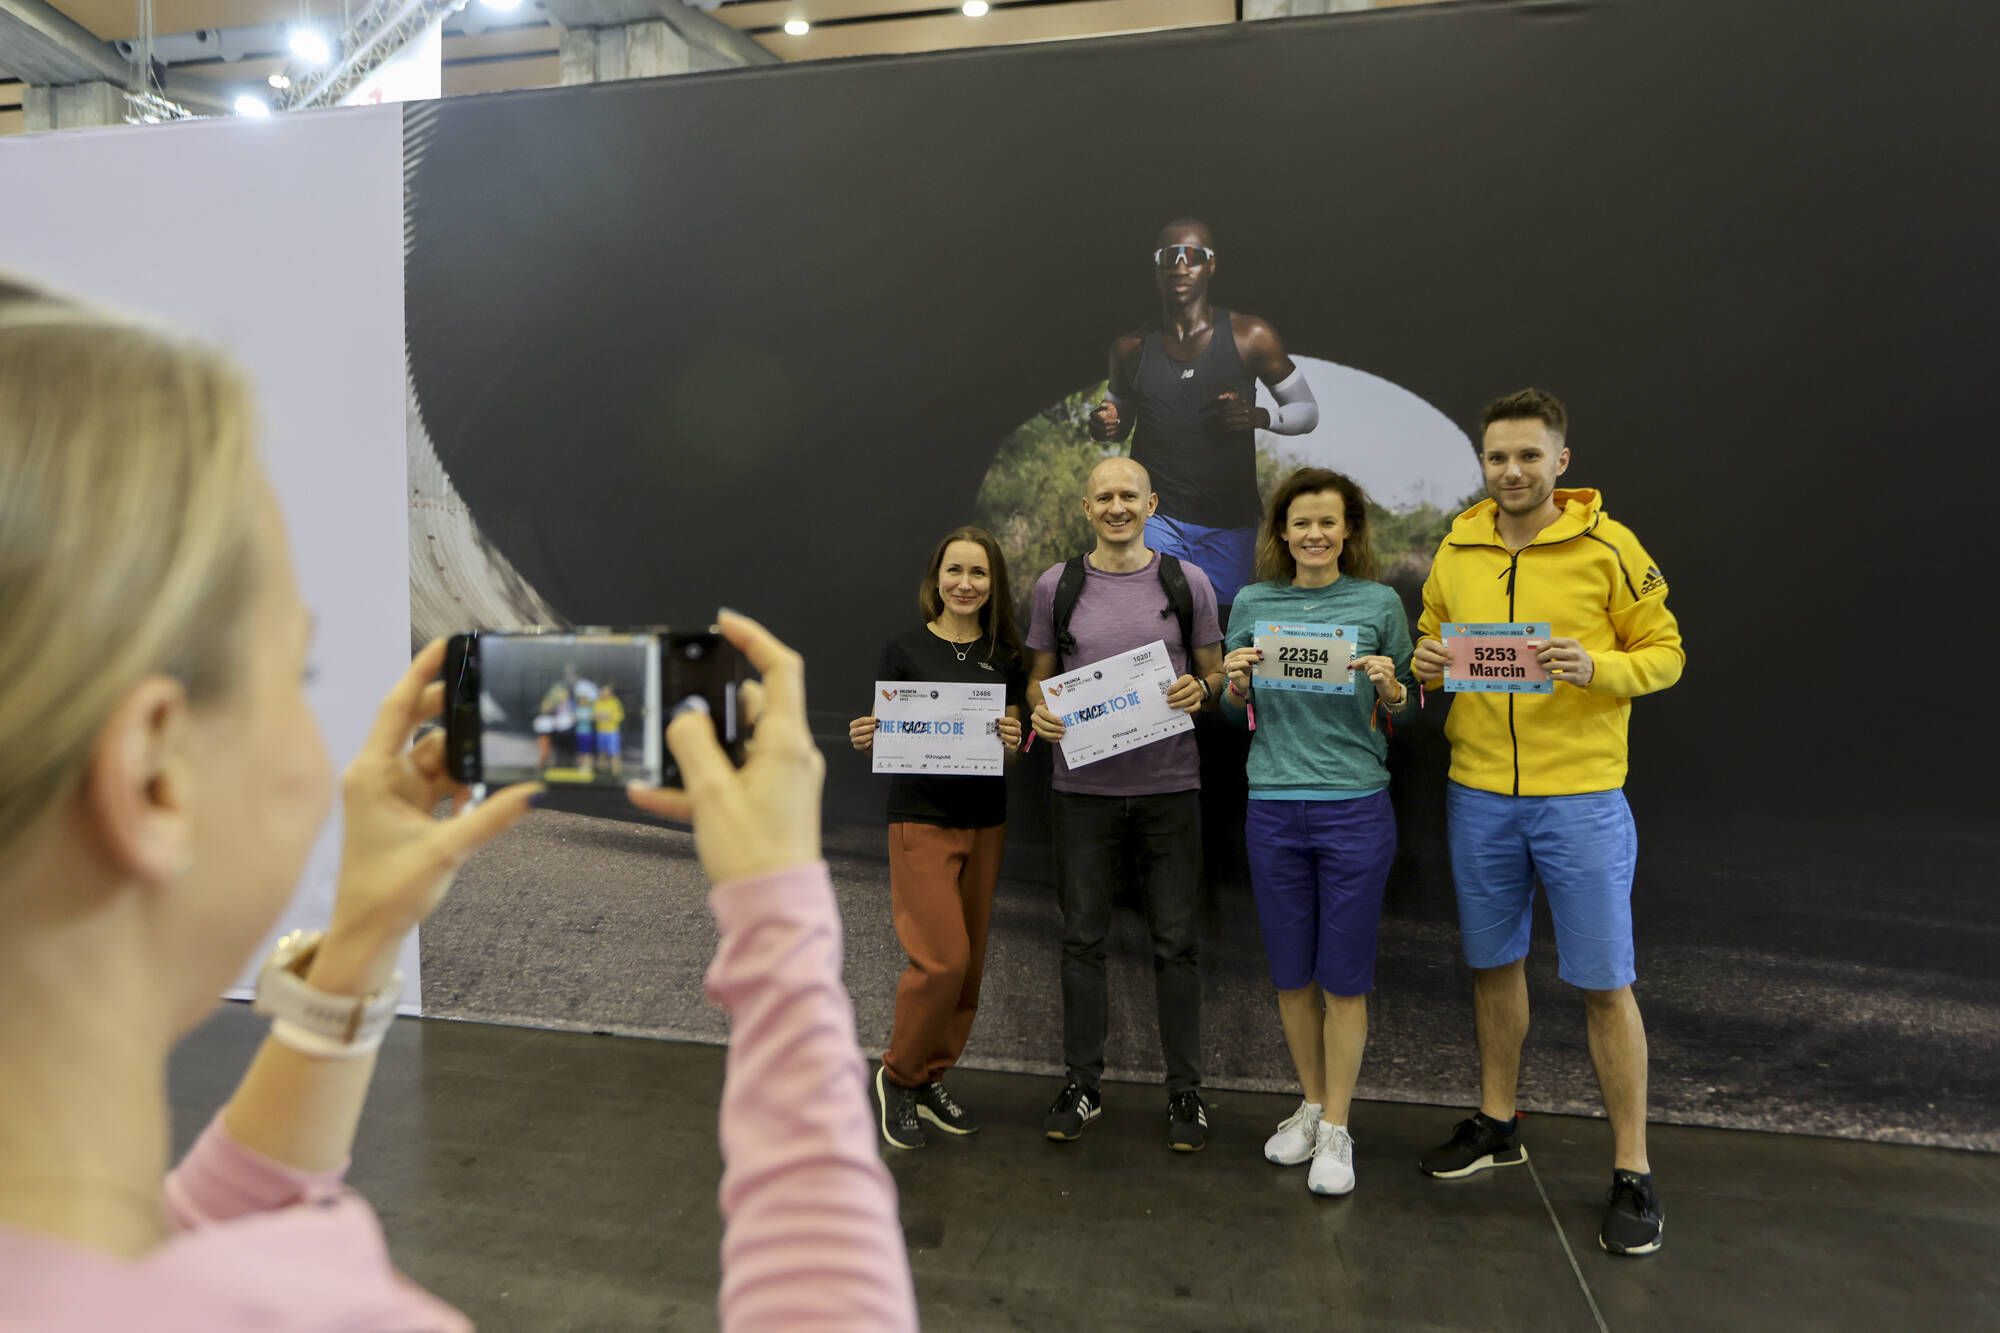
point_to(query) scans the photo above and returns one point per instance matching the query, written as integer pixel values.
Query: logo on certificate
(1055, 689)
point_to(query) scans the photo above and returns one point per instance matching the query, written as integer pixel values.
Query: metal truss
(373, 39)
(146, 108)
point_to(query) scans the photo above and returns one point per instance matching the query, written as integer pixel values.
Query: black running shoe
(936, 1105)
(1634, 1222)
(1476, 1144)
(1187, 1122)
(896, 1112)
(1075, 1106)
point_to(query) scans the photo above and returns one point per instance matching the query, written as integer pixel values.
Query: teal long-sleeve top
(1320, 747)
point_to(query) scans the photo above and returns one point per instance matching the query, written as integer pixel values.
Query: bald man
(1139, 809)
(1185, 391)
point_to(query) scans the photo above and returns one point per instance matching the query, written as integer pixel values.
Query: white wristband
(307, 1042)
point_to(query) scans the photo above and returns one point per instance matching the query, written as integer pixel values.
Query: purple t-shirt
(1115, 614)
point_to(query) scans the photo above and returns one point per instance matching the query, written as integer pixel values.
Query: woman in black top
(945, 836)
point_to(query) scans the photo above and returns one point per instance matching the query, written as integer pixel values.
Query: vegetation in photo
(1032, 499)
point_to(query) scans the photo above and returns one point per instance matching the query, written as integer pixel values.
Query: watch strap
(312, 1020)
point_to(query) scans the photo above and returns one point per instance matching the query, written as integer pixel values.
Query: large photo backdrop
(757, 339)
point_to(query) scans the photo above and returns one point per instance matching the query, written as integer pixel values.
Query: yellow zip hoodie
(1587, 575)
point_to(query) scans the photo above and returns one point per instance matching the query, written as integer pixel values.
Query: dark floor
(547, 1181)
(1752, 1021)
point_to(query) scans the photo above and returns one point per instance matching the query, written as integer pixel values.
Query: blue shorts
(1227, 555)
(586, 742)
(1583, 848)
(1317, 872)
(610, 743)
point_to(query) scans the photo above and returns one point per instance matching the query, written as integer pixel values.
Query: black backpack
(1173, 579)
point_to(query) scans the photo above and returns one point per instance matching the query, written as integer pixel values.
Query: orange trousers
(941, 895)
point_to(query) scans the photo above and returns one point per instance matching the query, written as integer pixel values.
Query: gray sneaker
(896, 1111)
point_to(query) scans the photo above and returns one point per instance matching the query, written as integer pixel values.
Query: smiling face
(964, 577)
(1522, 460)
(1118, 501)
(1316, 530)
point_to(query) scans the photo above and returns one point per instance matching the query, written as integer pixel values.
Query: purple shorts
(1317, 871)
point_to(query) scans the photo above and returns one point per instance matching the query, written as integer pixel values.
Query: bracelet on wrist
(307, 1042)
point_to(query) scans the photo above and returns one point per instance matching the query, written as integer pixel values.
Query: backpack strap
(1069, 589)
(1180, 598)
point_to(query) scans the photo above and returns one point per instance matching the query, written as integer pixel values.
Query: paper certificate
(1116, 705)
(939, 727)
(1315, 658)
(1495, 659)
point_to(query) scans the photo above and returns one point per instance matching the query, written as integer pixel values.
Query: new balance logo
(1654, 582)
(1188, 374)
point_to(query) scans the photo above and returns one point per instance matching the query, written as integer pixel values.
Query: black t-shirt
(950, 802)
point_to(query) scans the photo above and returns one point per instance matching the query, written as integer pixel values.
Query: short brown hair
(1357, 554)
(1528, 405)
(996, 618)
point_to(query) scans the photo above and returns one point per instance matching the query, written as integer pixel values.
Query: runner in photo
(1184, 390)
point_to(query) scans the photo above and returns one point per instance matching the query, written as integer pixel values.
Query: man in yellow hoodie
(1536, 789)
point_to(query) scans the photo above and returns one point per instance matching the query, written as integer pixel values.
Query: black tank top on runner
(1203, 476)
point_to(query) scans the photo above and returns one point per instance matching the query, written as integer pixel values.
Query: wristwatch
(312, 1021)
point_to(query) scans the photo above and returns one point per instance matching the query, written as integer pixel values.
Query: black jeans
(1096, 837)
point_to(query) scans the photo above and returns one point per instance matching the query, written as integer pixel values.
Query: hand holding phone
(764, 817)
(397, 858)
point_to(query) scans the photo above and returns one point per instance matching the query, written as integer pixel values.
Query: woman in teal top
(1320, 832)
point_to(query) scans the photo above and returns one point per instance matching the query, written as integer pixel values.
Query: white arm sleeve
(1298, 410)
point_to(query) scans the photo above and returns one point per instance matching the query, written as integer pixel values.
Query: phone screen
(576, 710)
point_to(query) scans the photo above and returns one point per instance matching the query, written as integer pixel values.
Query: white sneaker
(1293, 1143)
(1333, 1161)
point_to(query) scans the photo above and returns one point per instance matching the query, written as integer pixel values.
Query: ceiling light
(974, 9)
(279, 81)
(309, 45)
(797, 27)
(504, 6)
(251, 105)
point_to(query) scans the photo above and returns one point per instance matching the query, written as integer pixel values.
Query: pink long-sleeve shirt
(810, 1232)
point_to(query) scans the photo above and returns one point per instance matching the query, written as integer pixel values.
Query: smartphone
(582, 709)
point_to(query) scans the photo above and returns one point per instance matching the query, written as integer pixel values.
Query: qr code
(1166, 687)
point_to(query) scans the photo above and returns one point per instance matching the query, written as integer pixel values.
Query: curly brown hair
(1357, 553)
